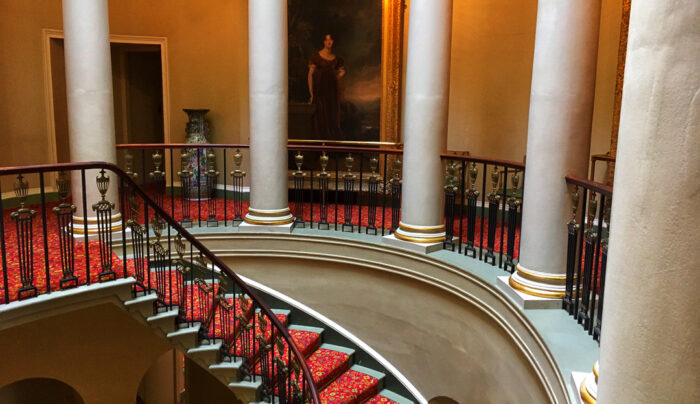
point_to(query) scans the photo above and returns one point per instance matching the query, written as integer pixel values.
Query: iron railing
(340, 187)
(587, 253)
(45, 248)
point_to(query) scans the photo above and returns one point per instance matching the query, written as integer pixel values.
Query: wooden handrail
(590, 185)
(316, 147)
(189, 237)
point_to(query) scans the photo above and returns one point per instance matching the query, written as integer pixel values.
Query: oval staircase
(180, 290)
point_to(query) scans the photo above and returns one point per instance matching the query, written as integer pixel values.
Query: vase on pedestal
(197, 131)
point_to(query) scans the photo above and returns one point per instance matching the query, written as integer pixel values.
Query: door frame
(49, 34)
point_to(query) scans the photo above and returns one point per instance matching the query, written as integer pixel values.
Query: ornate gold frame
(392, 68)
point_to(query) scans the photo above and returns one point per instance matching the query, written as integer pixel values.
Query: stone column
(558, 140)
(89, 97)
(651, 331)
(425, 125)
(267, 33)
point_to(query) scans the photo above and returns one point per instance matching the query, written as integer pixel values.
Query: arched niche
(39, 390)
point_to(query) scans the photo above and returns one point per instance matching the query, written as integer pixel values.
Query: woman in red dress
(325, 71)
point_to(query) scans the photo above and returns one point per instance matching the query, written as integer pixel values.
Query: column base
(423, 248)
(540, 284)
(524, 300)
(92, 229)
(585, 387)
(265, 228)
(268, 217)
(420, 234)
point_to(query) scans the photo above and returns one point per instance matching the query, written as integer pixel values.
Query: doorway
(138, 83)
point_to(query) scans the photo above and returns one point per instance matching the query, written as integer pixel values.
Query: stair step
(388, 397)
(308, 328)
(228, 372)
(186, 337)
(247, 391)
(142, 304)
(326, 364)
(205, 354)
(354, 386)
(164, 320)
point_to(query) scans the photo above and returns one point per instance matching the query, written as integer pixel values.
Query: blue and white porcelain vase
(197, 131)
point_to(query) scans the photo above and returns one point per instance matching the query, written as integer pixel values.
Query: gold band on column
(274, 217)
(115, 224)
(420, 234)
(537, 284)
(586, 397)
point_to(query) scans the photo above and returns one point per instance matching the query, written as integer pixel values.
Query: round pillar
(90, 100)
(651, 331)
(267, 33)
(558, 139)
(425, 121)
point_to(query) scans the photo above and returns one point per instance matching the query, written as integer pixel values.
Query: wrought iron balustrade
(343, 187)
(45, 247)
(587, 252)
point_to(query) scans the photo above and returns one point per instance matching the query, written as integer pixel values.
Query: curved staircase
(181, 291)
(337, 375)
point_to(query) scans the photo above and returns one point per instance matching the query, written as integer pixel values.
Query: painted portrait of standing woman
(335, 69)
(325, 71)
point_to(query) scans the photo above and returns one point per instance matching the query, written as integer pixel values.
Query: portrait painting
(335, 68)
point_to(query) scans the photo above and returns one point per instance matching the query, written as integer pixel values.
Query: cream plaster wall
(446, 330)
(208, 66)
(100, 351)
(492, 49)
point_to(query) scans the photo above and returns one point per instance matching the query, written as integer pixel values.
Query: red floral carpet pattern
(330, 369)
(39, 258)
(379, 399)
(350, 388)
(360, 214)
(326, 364)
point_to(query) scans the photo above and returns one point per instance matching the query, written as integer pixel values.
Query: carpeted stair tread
(327, 364)
(351, 387)
(379, 399)
(388, 397)
(306, 341)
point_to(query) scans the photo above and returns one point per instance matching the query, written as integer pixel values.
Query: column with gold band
(269, 207)
(558, 140)
(89, 98)
(420, 234)
(588, 390)
(425, 121)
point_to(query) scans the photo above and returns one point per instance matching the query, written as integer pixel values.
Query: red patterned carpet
(331, 369)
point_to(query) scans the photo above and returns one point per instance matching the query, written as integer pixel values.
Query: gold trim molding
(268, 222)
(422, 229)
(419, 239)
(94, 230)
(586, 397)
(549, 279)
(534, 292)
(268, 213)
(392, 68)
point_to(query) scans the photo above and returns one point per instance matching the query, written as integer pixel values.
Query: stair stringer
(185, 338)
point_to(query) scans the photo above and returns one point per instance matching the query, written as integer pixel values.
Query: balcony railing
(46, 248)
(587, 253)
(339, 187)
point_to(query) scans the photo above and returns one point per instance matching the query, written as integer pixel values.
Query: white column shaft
(559, 129)
(89, 93)
(267, 21)
(651, 330)
(425, 113)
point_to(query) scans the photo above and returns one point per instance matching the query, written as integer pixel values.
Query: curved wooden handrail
(590, 185)
(328, 148)
(182, 146)
(40, 168)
